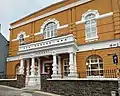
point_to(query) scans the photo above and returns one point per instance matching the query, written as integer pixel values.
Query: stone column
(59, 66)
(27, 72)
(33, 67)
(38, 66)
(38, 76)
(72, 65)
(28, 68)
(54, 69)
(75, 65)
(32, 78)
(21, 69)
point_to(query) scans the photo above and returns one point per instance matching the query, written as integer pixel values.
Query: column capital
(71, 52)
(54, 53)
(32, 57)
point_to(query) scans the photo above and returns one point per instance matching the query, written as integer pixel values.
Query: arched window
(21, 37)
(90, 26)
(89, 19)
(50, 30)
(94, 66)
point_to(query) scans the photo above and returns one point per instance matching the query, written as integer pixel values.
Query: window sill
(91, 39)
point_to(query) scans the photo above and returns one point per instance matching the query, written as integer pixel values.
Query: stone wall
(79, 87)
(18, 83)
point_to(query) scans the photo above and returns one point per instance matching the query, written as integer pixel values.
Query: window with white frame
(21, 37)
(50, 30)
(94, 66)
(89, 19)
(66, 69)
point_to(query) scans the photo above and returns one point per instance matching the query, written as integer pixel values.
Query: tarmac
(10, 91)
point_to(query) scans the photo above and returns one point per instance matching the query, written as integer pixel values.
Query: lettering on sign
(115, 45)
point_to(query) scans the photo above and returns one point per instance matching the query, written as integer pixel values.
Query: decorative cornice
(58, 45)
(48, 21)
(78, 22)
(97, 17)
(99, 45)
(51, 13)
(18, 35)
(95, 12)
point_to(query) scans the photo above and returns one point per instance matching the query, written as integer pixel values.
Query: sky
(12, 10)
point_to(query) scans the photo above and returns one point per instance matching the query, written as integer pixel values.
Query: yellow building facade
(69, 39)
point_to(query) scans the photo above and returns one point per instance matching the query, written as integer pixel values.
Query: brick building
(68, 39)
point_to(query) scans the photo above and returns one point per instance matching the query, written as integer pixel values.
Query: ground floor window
(94, 66)
(47, 68)
(66, 69)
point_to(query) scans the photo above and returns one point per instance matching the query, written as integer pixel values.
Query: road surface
(9, 91)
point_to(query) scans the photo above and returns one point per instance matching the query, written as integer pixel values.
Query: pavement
(10, 91)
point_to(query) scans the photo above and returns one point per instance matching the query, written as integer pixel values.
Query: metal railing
(112, 73)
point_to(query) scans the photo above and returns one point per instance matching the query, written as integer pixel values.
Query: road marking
(46, 93)
(26, 94)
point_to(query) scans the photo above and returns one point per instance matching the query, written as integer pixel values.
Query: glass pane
(88, 67)
(101, 66)
(50, 29)
(93, 28)
(52, 33)
(87, 22)
(101, 72)
(88, 60)
(88, 73)
(93, 21)
(87, 29)
(93, 34)
(95, 73)
(100, 60)
(94, 66)
(89, 35)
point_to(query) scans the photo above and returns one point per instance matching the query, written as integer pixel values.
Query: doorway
(47, 68)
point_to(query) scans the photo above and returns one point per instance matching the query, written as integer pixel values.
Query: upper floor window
(50, 30)
(21, 37)
(89, 19)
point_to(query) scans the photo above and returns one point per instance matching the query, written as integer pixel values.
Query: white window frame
(43, 66)
(67, 66)
(47, 22)
(94, 25)
(89, 71)
(21, 40)
(21, 33)
(50, 30)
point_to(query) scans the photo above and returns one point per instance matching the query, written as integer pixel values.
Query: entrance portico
(54, 47)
